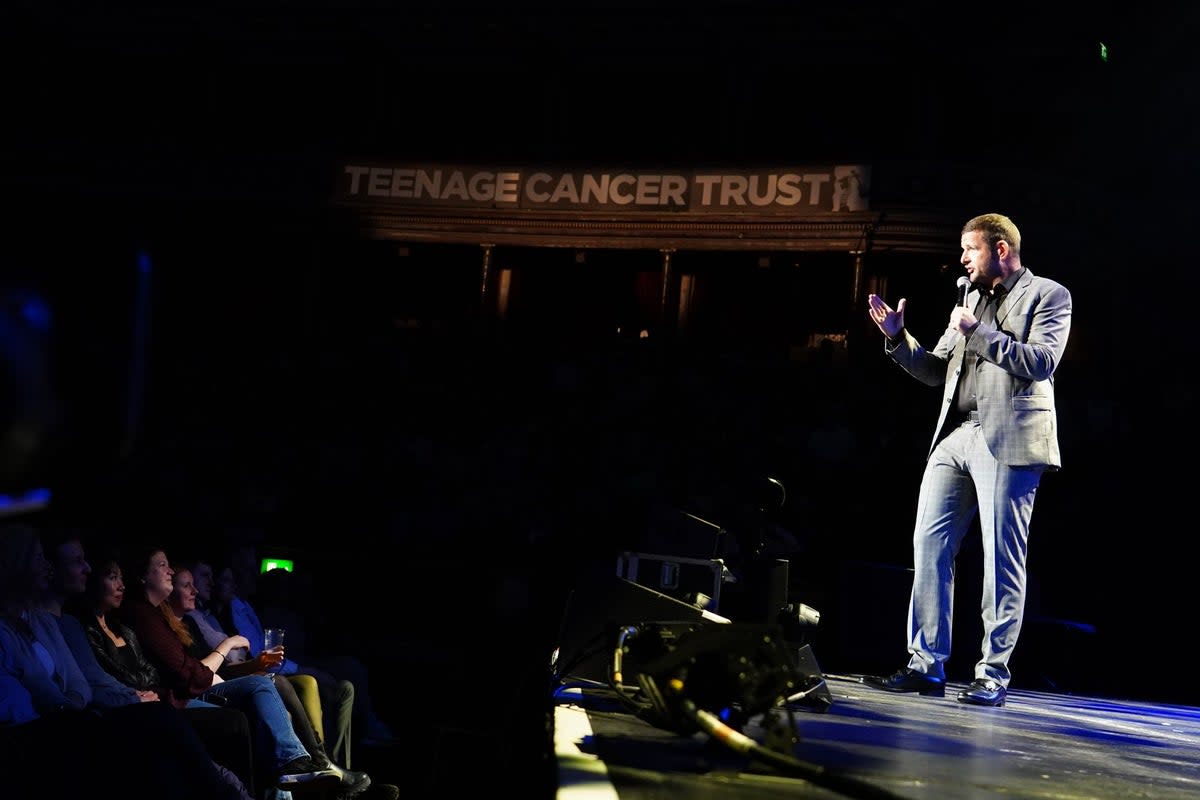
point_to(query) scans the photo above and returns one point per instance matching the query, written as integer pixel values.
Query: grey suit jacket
(1014, 382)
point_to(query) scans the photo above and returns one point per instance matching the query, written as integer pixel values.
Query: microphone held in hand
(964, 286)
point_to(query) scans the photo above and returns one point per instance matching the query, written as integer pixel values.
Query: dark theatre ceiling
(220, 126)
(228, 119)
(187, 99)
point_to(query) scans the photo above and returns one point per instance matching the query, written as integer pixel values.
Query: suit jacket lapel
(1009, 299)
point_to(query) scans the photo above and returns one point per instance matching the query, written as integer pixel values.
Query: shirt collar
(1005, 286)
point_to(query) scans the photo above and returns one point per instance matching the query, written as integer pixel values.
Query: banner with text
(794, 191)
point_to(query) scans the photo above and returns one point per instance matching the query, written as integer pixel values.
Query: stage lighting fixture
(735, 671)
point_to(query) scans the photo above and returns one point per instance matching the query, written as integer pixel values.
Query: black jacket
(142, 675)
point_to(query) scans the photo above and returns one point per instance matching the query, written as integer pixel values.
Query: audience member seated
(213, 634)
(280, 755)
(330, 668)
(337, 695)
(61, 744)
(183, 599)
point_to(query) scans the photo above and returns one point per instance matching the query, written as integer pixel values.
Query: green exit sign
(269, 564)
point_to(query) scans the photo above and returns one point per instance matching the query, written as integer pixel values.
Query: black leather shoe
(908, 680)
(983, 692)
(353, 783)
(304, 775)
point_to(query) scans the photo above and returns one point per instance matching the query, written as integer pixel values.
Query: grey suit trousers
(962, 478)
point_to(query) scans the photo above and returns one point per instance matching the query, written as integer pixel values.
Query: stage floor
(874, 744)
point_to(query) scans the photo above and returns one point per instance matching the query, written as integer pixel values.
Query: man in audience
(332, 671)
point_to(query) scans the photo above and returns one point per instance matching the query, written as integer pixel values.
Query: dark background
(448, 481)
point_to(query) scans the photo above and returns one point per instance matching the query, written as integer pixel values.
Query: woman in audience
(205, 626)
(114, 643)
(204, 579)
(187, 679)
(182, 600)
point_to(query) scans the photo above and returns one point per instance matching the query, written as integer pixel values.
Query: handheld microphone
(964, 286)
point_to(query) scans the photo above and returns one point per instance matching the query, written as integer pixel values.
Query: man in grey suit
(996, 433)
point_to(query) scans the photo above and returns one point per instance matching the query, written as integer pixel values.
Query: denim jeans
(275, 740)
